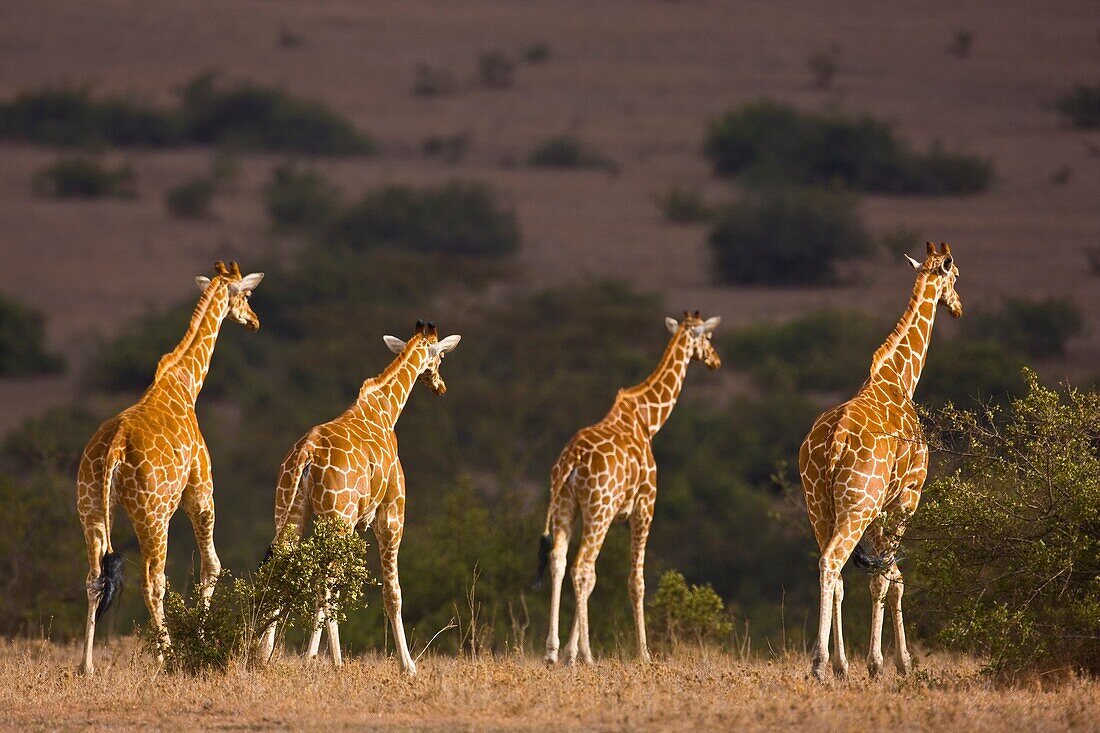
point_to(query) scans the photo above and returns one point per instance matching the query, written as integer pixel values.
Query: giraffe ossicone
(349, 469)
(151, 458)
(866, 458)
(607, 472)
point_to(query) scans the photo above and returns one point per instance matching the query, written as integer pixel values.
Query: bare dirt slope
(638, 80)
(38, 689)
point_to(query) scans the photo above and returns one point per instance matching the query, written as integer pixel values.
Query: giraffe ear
(395, 344)
(202, 282)
(711, 323)
(671, 324)
(447, 344)
(914, 263)
(246, 284)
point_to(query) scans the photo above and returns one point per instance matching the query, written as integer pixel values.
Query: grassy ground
(40, 690)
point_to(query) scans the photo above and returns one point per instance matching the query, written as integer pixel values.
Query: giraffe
(151, 457)
(867, 457)
(349, 469)
(607, 472)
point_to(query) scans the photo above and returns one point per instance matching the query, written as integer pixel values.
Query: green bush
(191, 199)
(299, 200)
(568, 151)
(70, 116)
(827, 350)
(1080, 107)
(792, 237)
(248, 116)
(688, 612)
(965, 370)
(770, 143)
(432, 81)
(1037, 329)
(255, 117)
(454, 218)
(52, 441)
(684, 205)
(329, 563)
(85, 178)
(23, 342)
(537, 52)
(1009, 548)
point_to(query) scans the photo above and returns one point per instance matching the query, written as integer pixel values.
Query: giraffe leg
(389, 527)
(153, 541)
(584, 580)
(845, 536)
(878, 584)
(96, 543)
(295, 520)
(334, 642)
(314, 647)
(902, 660)
(640, 521)
(198, 503)
(840, 658)
(562, 530)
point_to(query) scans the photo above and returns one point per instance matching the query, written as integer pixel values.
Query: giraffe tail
(546, 542)
(109, 582)
(302, 459)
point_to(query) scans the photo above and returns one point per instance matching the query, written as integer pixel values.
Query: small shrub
(23, 342)
(1081, 106)
(254, 117)
(496, 69)
(1008, 548)
(787, 238)
(684, 205)
(84, 178)
(431, 81)
(298, 200)
(567, 151)
(330, 563)
(961, 43)
(70, 116)
(769, 143)
(823, 66)
(191, 199)
(537, 52)
(456, 218)
(1037, 329)
(451, 148)
(964, 371)
(683, 612)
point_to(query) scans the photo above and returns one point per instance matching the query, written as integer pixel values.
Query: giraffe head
(942, 272)
(238, 289)
(698, 332)
(426, 337)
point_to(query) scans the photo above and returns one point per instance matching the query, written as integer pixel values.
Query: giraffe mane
(373, 383)
(884, 352)
(172, 358)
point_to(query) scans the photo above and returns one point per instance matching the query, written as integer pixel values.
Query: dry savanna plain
(638, 80)
(39, 690)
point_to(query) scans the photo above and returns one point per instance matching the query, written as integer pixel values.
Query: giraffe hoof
(874, 669)
(840, 673)
(85, 671)
(550, 660)
(820, 671)
(905, 666)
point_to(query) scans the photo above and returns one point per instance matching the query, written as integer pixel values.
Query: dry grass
(39, 689)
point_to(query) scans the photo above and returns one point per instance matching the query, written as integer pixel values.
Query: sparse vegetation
(209, 637)
(432, 81)
(23, 342)
(568, 151)
(300, 200)
(793, 237)
(1080, 107)
(247, 116)
(191, 199)
(84, 178)
(450, 148)
(766, 142)
(455, 218)
(684, 205)
(496, 70)
(1009, 553)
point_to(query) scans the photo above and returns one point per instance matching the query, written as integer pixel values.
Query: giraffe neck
(188, 364)
(900, 359)
(395, 383)
(657, 394)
